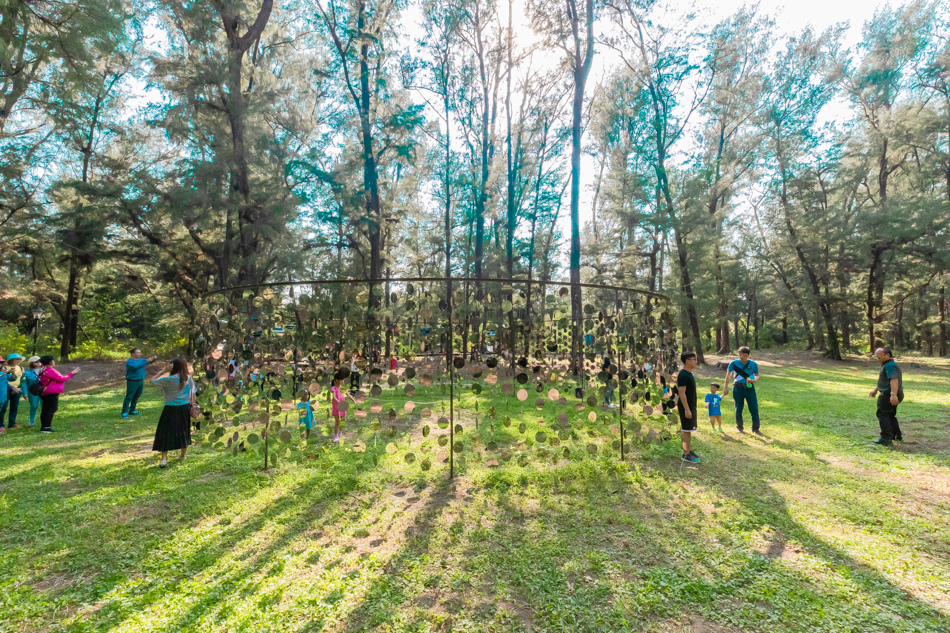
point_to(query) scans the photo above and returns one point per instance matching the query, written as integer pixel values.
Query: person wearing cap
(29, 379)
(13, 390)
(134, 380)
(53, 383)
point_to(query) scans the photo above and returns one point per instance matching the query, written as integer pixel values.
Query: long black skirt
(174, 428)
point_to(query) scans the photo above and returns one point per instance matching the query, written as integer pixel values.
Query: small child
(337, 396)
(307, 418)
(712, 403)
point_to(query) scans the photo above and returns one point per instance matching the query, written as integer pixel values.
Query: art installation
(440, 381)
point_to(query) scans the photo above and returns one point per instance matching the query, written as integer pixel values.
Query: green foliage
(12, 340)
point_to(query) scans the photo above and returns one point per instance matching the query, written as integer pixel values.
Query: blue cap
(14, 356)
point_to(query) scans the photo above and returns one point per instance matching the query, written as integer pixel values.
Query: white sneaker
(163, 463)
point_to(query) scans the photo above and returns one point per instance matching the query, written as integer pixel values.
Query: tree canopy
(782, 188)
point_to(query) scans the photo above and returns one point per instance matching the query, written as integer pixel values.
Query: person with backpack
(13, 390)
(51, 387)
(746, 374)
(29, 379)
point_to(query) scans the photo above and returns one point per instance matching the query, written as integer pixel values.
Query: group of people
(173, 432)
(744, 374)
(40, 383)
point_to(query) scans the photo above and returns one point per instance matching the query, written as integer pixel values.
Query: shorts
(687, 425)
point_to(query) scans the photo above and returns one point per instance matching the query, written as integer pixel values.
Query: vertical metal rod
(620, 386)
(448, 287)
(266, 441)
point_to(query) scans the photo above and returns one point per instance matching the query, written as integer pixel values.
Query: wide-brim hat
(14, 356)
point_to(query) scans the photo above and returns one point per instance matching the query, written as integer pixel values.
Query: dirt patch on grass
(57, 581)
(210, 476)
(699, 624)
(774, 546)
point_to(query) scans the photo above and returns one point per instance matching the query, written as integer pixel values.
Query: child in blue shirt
(306, 411)
(712, 404)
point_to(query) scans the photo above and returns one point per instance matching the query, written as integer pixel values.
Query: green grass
(808, 529)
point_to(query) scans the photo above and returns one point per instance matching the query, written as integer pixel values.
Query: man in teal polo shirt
(890, 393)
(746, 372)
(134, 379)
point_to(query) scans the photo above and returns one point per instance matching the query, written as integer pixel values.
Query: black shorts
(686, 425)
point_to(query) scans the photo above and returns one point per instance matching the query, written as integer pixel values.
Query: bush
(12, 340)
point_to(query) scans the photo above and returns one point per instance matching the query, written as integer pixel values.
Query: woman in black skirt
(174, 427)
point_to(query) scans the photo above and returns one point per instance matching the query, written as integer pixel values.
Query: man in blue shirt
(134, 379)
(746, 374)
(890, 386)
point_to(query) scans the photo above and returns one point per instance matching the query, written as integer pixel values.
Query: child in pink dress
(337, 396)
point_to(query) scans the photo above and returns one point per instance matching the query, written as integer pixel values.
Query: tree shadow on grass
(765, 510)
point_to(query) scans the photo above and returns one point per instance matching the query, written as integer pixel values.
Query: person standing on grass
(713, 401)
(336, 398)
(354, 373)
(5, 377)
(746, 374)
(307, 414)
(53, 383)
(686, 404)
(14, 391)
(134, 379)
(29, 379)
(890, 393)
(174, 426)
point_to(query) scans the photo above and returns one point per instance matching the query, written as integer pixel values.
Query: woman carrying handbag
(174, 427)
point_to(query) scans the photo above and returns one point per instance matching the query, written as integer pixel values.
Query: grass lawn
(807, 529)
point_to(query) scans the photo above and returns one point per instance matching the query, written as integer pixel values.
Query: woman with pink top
(53, 383)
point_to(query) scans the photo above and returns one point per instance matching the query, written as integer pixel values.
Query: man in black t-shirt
(686, 404)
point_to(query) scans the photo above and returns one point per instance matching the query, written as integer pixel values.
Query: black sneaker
(758, 432)
(690, 457)
(899, 438)
(46, 430)
(882, 442)
(738, 430)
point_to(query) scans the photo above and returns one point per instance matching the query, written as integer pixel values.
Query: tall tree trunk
(534, 225)
(843, 316)
(777, 266)
(581, 68)
(70, 320)
(511, 216)
(942, 315)
(833, 349)
(247, 212)
(687, 287)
